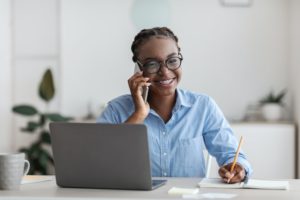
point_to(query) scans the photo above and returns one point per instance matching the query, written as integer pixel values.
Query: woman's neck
(163, 105)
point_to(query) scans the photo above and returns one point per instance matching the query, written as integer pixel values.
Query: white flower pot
(272, 111)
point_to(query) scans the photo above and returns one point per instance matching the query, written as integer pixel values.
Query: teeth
(166, 81)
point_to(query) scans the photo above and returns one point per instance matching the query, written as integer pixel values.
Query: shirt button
(164, 133)
(165, 174)
(165, 153)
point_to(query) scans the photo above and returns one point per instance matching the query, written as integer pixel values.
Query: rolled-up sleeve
(219, 138)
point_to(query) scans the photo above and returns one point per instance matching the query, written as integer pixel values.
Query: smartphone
(145, 88)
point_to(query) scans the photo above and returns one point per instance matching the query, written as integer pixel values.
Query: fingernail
(231, 175)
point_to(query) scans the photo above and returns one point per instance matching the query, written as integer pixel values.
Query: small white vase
(272, 111)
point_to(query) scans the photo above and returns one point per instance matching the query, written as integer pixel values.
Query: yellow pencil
(236, 155)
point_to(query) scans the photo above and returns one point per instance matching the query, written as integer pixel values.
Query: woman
(180, 123)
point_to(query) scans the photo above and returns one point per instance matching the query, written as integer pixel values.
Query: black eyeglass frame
(160, 64)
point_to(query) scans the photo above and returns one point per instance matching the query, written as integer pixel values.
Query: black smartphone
(145, 88)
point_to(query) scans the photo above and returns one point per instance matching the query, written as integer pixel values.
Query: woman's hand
(237, 175)
(142, 108)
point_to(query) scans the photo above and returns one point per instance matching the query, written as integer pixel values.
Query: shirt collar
(182, 100)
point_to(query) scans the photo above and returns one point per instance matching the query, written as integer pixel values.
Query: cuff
(244, 163)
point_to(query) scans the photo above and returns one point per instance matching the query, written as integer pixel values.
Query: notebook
(250, 184)
(108, 156)
(28, 179)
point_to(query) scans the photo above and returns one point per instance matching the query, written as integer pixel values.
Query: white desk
(49, 190)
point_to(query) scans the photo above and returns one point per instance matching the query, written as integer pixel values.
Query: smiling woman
(178, 121)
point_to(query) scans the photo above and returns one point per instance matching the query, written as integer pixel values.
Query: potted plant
(37, 154)
(272, 106)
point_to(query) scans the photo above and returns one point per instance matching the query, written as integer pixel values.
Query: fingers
(225, 173)
(136, 82)
(237, 175)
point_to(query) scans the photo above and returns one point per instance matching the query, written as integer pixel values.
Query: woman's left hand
(237, 175)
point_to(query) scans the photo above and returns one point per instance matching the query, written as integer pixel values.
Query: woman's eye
(150, 64)
(172, 60)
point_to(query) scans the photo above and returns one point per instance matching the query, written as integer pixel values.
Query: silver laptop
(107, 156)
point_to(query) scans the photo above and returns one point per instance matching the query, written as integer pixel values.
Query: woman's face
(165, 81)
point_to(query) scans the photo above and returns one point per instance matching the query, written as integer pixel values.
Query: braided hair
(146, 34)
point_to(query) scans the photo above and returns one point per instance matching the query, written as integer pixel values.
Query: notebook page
(218, 183)
(267, 184)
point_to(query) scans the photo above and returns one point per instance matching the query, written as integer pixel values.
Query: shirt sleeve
(108, 116)
(219, 138)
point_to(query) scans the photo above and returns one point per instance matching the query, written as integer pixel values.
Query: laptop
(106, 156)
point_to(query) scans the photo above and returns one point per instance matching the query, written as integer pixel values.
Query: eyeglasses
(153, 66)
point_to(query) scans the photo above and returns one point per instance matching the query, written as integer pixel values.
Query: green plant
(40, 159)
(273, 98)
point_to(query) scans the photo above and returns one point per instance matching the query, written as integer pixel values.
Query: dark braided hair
(146, 34)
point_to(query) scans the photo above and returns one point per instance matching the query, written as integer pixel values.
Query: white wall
(236, 55)
(5, 75)
(35, 48)
(295, 62)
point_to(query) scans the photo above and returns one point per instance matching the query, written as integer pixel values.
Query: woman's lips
(164, 82)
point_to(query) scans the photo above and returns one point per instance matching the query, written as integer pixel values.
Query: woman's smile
(168, 82)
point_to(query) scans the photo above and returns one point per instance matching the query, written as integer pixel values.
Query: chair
(208, 160)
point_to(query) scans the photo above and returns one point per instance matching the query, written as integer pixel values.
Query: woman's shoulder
(197, 100)
(194, 96)
(123, 100)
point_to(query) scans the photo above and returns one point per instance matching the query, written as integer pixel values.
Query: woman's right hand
(142, 108)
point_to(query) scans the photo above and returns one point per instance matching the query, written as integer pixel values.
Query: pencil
(236, 155)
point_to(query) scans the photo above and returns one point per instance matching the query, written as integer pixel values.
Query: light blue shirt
(176, 147)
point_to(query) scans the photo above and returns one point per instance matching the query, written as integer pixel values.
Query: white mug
(13, 167)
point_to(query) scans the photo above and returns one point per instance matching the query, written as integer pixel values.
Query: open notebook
(251, 184)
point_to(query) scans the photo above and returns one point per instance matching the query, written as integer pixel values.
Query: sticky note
(178, 190)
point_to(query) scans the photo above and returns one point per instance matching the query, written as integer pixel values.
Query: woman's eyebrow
(170, 55)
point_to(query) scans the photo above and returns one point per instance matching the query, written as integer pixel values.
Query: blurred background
(236, 51)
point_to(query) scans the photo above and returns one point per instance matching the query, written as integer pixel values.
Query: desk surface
(49, 190)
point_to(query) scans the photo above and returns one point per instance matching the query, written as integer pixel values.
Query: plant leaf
(280, 96)
(45, 137)
(55, 117)
(27, 130)
(34, 150)
(43, 161)
(26, 110)
(42, 120)
(46, 88)
(49, 157)
(31, 127)
(273, 98)
(38, 158)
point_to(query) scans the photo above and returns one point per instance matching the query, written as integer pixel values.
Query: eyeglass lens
(153, 66)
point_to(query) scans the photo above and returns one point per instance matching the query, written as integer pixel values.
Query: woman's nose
(163, 69)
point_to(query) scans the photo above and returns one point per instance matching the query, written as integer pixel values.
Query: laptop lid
(111, 156)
